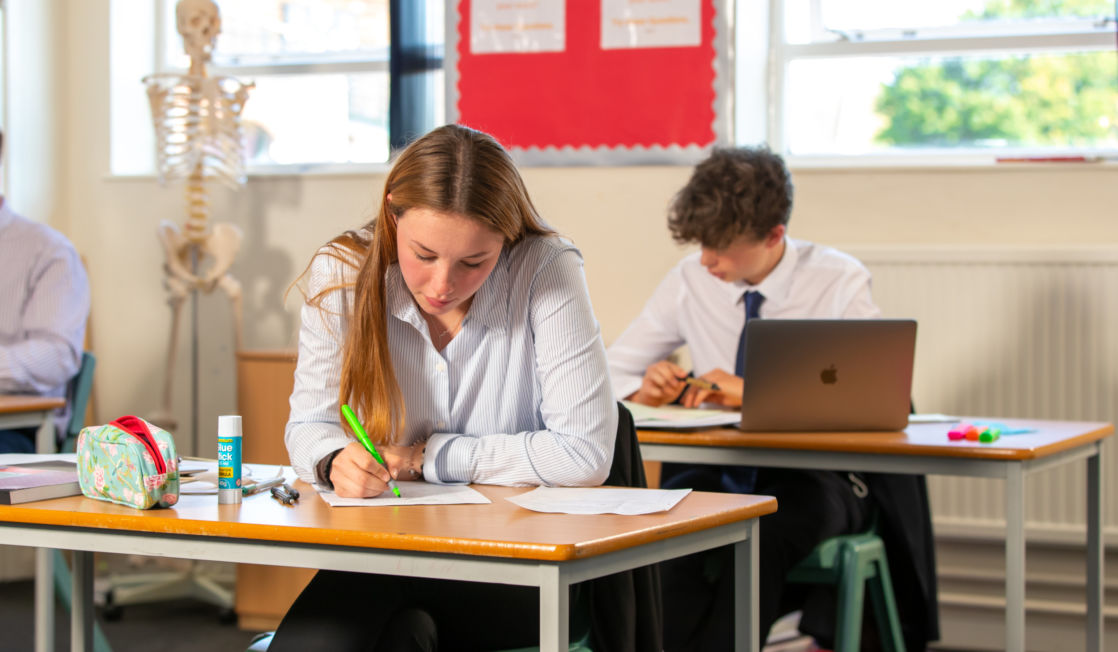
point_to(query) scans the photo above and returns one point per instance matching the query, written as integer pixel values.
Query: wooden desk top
(499, 529)
(919, 439)
(15, 403)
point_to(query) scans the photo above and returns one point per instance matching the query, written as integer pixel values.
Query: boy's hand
(661, 384)
(728, 393)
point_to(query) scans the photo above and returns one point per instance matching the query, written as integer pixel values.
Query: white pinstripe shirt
(44, 304)
(520, 396)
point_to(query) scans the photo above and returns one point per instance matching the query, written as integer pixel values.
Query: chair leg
(62, 588)
(885, 607)
(848, 620)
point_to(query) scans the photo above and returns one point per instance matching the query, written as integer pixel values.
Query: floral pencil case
(129, 462)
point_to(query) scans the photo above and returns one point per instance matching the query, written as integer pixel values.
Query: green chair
(80, 389)
(78, 398)
(848, 562)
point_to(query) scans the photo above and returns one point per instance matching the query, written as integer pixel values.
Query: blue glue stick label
(229, 463)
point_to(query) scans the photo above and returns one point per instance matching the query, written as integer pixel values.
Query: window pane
(327, 118)
(835, 17)
(257, 32)
(859, 105)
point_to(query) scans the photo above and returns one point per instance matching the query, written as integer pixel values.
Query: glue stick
(228, 459)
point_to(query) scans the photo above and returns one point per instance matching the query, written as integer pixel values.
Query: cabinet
(264, 382)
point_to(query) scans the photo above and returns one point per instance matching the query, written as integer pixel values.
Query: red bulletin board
(589, 97)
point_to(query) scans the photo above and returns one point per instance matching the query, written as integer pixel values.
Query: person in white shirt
(44, 292)
(459, 328)
(736, 206)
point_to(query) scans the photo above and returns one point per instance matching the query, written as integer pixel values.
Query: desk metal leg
(746, 592)
(1015, 558)
(1094, 552)
(44, 600)
(45, 436)
(81, 602)
(555, 598)
(44, 558)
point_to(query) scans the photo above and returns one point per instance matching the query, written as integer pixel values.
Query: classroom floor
(187, 625)
(173, 626)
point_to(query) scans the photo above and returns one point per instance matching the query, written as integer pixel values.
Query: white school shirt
(520, 396)
(693, 308)
(44, 303)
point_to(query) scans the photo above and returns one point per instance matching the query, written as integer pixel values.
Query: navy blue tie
(743, 479)
(753, 300)
(717, 477)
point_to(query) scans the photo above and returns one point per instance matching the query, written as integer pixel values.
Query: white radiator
(1010, 333)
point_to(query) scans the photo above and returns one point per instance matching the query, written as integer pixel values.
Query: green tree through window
(1039, 100)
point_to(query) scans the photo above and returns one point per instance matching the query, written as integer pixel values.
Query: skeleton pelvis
(215, 252)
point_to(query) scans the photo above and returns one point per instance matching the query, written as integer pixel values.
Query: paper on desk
(671, 417)
(599, 500)
(411, 493)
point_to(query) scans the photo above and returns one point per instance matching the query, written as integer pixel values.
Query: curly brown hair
(735, 191)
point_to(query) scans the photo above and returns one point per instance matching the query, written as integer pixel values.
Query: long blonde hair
(452, 169)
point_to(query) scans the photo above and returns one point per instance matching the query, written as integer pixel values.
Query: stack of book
(23, 483)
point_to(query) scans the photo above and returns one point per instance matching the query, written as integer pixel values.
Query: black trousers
(17, 440)
(698, 589)
(345, 612)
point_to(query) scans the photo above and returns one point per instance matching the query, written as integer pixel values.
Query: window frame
(1077, 35)
(406, 23)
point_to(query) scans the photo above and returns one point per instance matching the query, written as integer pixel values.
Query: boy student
(736, 206)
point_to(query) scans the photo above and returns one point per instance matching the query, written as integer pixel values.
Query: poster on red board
(592, 81)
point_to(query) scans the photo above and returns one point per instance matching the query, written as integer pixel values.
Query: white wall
(617, 216)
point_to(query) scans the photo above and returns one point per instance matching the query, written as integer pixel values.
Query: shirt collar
(489, 308)
(778, 284)
(491, 302)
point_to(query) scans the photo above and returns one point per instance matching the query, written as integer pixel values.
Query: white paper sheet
(681, 418)
(411, 493)
(660, 24)
(599, 500)
(499, 26)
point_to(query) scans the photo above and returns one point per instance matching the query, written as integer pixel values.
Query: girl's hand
(356, 474)
(404, 462)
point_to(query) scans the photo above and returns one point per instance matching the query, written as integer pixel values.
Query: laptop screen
(828, 374)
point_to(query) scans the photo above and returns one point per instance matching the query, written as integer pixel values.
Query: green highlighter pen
(362, 437)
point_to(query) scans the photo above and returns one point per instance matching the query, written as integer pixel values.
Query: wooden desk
(17, 411)
(498, 542)
(925, 449)
(264, 382)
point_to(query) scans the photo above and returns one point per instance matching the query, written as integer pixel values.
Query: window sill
(324, 170)
(933, 163)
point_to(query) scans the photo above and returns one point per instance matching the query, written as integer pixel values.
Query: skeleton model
(197, 129)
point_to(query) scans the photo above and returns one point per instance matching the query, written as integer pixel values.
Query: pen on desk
(701, 384)
(257, 487)
(279, 494)
(362, 437)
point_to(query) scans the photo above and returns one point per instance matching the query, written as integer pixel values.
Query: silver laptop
(827, 374)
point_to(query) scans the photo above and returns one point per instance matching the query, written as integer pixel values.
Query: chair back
(79, 391)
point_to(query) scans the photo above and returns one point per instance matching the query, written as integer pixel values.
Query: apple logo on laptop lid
(829, 376)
